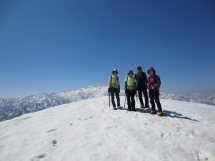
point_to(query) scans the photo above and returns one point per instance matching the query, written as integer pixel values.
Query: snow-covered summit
(10, 108)
(89, 130)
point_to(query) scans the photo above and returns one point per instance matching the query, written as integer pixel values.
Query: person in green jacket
(114, 88)
(130, 90)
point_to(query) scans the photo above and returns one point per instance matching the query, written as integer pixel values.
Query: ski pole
(109, 99)
(125, 101)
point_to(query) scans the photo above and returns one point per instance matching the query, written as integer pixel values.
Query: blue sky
(56, 45)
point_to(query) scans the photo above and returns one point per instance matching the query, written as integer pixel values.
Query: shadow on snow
(173, 114)
(167, 113)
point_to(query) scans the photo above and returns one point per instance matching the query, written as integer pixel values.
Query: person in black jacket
(141, 80)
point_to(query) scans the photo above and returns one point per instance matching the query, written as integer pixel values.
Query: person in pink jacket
(154, 83)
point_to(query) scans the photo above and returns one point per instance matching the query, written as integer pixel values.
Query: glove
(126, 91)
(109, 90)
(119, 90)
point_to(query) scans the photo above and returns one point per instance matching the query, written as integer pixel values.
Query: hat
(151, 68)
(139, 68)
(115, 71)
(130, 72)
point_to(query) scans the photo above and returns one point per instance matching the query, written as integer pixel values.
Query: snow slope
(10, 108)
(89, 130)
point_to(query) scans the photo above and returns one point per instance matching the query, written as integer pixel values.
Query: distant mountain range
(210, 100)
(10, 108)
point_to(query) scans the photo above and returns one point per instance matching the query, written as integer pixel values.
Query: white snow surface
(88, 130)
(11, 108)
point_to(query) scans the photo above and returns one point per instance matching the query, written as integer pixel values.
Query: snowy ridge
(89, 130)
(210, 100)
(10, 108)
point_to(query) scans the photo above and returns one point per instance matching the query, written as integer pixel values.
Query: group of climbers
(137, 84)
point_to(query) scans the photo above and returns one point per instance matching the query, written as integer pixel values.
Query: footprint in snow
(51, 130)
(110, 127)
(190, 133)
(162, 135)
(54, 142)
(83, 119)
(165, 135)
(38, 157)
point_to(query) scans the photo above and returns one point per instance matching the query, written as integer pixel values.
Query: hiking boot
(153, 112)
(119, 107)
(160, 113)
(146, 106)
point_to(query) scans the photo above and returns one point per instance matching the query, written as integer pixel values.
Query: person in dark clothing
(141, 80)
(114, 88)
(154, 83)
(130, 90)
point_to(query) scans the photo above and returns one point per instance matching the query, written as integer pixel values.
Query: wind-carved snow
(89, 130)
